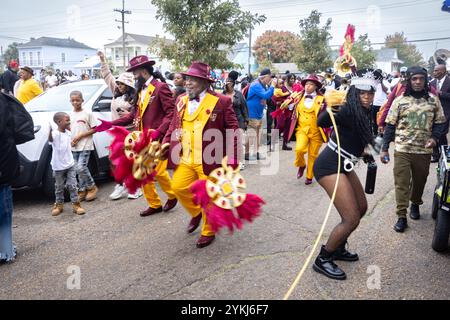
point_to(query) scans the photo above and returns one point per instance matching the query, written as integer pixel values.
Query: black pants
(442, 141)
(270, 120)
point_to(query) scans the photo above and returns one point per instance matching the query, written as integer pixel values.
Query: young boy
(63, 165)
(83, 127)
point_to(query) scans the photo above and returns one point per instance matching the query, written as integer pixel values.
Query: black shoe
(401, 225)
(269, 142)
(414, 212)
(434, 159)
(260, 156)
(343, 255)
(286, 147)
(324, 264)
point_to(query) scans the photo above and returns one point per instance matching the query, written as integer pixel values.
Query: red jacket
(159, 112)
(222, 118)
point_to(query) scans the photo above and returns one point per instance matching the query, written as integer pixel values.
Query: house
(387, 60)
(136, 45)
(239, 56)
(62, 54)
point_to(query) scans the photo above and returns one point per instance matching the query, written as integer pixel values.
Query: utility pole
(123, 12)
(250, 52)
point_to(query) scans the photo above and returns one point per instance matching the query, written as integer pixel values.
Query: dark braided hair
(361, 116)
(425, 93)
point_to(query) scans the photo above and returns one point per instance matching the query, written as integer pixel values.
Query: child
(83, 127)
(63, 165)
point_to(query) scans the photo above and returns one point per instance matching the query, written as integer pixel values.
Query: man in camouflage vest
(416, 121)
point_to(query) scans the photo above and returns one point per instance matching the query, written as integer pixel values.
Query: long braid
(361, 116)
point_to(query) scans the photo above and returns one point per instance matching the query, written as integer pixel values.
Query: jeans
(66, 178)
(85, 180)
(7, 249)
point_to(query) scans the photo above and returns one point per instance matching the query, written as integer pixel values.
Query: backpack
(23, 126)
(245, 91)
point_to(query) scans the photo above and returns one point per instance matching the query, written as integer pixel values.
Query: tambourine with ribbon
(224, 200)
(134, 156)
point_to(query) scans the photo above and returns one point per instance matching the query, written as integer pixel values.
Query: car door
(102, 110)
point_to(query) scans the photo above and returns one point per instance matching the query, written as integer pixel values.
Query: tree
(282, 45)
(11, 53)
(363, 53)
(315, 55)
(204, 30)
(406, 51)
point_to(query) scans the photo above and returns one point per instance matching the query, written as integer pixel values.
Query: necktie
(309, 97)
(195, 99)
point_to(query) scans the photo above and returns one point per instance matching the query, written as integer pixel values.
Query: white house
(387, 60)
(62, 54)
(135, 45)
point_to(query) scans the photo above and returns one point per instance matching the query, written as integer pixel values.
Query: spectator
(71, 76)
(85, 76)
(258, 94)
(83, 128)
(51, 80)
(42, 77)
(179, 82)
(9, 169)
(378, 101)
(30, 88)
(18, 84)
(63, 165)
(10, 77)
(416, 121)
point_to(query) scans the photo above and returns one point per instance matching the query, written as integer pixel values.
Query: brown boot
(82, 196)
(58, 208)
(91, 193)
(77, 209)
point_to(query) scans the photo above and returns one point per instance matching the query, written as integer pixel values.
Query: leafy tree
(204, 30)
(282, 45)
(363, 53)
(315, 55)
(11, 53)
(406, 51)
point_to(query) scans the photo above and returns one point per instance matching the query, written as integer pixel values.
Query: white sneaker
(242, 166)
(118, 193)
(135, 196)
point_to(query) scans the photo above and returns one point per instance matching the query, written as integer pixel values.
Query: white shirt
(51, 80)
(144, 91)
(62, 158)
(193, 104)
(81, 122)
(309, 102)
(72, 78)
(380, 96)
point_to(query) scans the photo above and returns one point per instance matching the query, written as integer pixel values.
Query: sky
(93, 21)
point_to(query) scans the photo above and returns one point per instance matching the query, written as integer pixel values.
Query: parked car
(35, 155)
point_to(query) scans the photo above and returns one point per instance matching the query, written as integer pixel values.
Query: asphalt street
(123, 256)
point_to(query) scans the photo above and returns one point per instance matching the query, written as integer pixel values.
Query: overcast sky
(92, 21)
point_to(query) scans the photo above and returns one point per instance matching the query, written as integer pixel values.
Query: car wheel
(441, 231)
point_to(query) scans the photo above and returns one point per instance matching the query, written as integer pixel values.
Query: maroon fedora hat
(139, 62)
(312, 78)
(199, 70)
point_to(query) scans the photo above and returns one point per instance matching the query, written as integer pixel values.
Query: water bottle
(378, 143)
(371, 177)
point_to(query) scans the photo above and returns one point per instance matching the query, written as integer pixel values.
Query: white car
(35, 155)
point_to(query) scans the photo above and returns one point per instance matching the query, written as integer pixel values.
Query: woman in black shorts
(354, 129)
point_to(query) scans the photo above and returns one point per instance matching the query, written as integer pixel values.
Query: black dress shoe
(414, 212)
(205, 241)
(401, 225)
(434, 159)
(151, 211)
(170, 204)
(286, 147)
(342, 254)
(195, 222)
(260, 156)
(324, 264)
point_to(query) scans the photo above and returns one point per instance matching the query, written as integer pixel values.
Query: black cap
(412, 71)
(29, 70)
(233, 75)
(265, 72)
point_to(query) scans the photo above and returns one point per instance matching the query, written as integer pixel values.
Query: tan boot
(91, 193)
(58, 208)
(77, 209)
(82, 195)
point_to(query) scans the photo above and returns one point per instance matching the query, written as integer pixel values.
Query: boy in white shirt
(83, 128)
(63, 165)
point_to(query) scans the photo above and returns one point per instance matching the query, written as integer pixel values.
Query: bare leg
(348, 206)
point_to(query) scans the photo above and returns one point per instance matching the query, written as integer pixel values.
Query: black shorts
(327, 164)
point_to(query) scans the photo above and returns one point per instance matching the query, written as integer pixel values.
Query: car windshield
(58, 99)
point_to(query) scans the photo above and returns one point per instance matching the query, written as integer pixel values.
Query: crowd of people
(366, 107)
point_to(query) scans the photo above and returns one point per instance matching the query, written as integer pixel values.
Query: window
(31, 59)
(63, 57)
(24, 58)
(39, 61)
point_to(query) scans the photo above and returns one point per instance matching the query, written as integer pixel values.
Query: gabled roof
(55, 42)
(139, 38)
